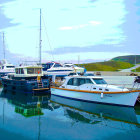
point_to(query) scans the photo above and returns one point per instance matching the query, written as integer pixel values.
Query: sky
(72, 30)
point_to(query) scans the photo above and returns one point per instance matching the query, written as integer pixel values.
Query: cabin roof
(33, 66)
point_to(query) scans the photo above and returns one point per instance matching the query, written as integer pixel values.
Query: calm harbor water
(27, 117)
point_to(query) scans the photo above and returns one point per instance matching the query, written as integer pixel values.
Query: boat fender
(102, 95)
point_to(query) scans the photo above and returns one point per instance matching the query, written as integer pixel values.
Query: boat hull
(25, 85)
(121, 99)
(57, 73)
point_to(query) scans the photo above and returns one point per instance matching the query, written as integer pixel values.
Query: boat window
(34, 70)
(88, 81)
(37, 70)
(10, 66)
(21, 71)
(84, 81)
(30, 70)
(2, 67)
(70, 82)
(57, 65)
(16, 71)
(75, 82)
(67, 66)
(71, 74)
(99, 81)
(81, 81)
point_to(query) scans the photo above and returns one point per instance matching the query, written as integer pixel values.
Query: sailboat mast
(3, 46)
(40, 42)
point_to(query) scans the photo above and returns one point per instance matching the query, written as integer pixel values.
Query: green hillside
(129, 58)
(106, 66)
(136, 70)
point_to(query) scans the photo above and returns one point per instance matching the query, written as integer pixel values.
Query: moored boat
(75, 67)
(54, 68)
(95, 89)
(28, 79)
(5, 68)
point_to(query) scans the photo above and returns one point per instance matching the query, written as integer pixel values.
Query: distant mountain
(129, 58)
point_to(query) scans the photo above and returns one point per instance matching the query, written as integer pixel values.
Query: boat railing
(128, 86)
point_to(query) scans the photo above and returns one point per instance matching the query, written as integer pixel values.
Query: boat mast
(3, 46)
(40, 42)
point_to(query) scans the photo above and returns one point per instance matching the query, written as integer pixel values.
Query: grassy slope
(129, 58)
(136, 70)
(107, 66)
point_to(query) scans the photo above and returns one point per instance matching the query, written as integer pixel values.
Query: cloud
(94, 22)
(91, 23)
(4, 21)
(96, 48)
(73, 27)
(66, 28)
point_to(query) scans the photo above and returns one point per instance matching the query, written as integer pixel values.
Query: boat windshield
(67, 66)
(57, 65)
(99, 81)
(47, 66)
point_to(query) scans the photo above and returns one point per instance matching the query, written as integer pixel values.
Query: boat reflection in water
(95, 113)
(27, 104)
(43, 117)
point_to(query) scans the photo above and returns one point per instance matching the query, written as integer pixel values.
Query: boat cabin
(77, 69)
(5, 65)
(77, 81)
(26, 71)
(92, 83)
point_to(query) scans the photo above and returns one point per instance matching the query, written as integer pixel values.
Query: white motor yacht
(6, 67)
(95, 89)
(54, 68)
(76, 68)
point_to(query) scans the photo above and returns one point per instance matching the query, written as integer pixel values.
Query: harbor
(42, 117)
(69, 70)
(38, 98)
